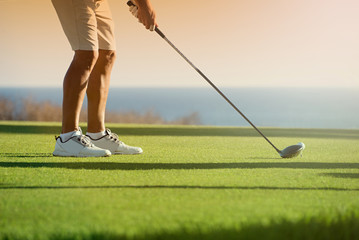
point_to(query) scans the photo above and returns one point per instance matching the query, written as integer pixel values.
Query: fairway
(191, 182)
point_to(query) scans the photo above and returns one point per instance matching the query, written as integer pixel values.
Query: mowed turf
(191, 183)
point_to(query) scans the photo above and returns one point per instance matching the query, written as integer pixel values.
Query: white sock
(97, 135)
(66, 136)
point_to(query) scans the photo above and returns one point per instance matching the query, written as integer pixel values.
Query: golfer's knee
(87, 59)
(107, 56)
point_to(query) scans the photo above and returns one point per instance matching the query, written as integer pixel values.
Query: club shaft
(214, 86)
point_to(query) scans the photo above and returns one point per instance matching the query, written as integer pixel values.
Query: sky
(236, 43)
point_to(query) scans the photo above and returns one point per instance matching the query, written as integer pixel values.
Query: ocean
(265, 107)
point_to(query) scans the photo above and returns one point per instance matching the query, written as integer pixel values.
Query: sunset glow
(255, 43)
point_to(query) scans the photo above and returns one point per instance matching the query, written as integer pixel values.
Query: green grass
(190, 183)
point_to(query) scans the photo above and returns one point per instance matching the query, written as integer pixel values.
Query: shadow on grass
(194, 131)
(174, 166)
(26, 155)
(341, 175)
(343, 227)
(184, 187)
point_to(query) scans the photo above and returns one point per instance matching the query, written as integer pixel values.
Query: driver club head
(292, 151)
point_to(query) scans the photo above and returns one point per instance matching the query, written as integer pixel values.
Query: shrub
(32, 110)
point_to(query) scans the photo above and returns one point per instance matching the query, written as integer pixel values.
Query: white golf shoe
(111, 142)
(78, 145)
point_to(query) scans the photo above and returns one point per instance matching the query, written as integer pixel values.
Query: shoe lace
(84, 140)
(113, 136)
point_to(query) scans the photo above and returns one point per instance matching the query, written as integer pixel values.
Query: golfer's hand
(145, 13)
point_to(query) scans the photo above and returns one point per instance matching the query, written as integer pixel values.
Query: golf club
(288, 152)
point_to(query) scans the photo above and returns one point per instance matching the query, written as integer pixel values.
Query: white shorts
(87, 24)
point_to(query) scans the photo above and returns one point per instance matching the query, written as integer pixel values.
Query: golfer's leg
(97, 90)
(74, 88)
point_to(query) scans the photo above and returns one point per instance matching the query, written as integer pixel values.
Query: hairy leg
(74, 88)
(97, 90)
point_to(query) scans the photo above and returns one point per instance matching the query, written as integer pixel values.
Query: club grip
(159, 32)
(130, 3)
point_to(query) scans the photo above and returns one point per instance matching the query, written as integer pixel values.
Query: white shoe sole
(57, 153)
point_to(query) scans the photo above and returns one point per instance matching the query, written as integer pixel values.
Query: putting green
(191, 183)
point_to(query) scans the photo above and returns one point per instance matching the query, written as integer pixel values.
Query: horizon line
(229, 86)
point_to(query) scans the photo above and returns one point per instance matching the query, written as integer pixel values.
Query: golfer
(89, 28)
